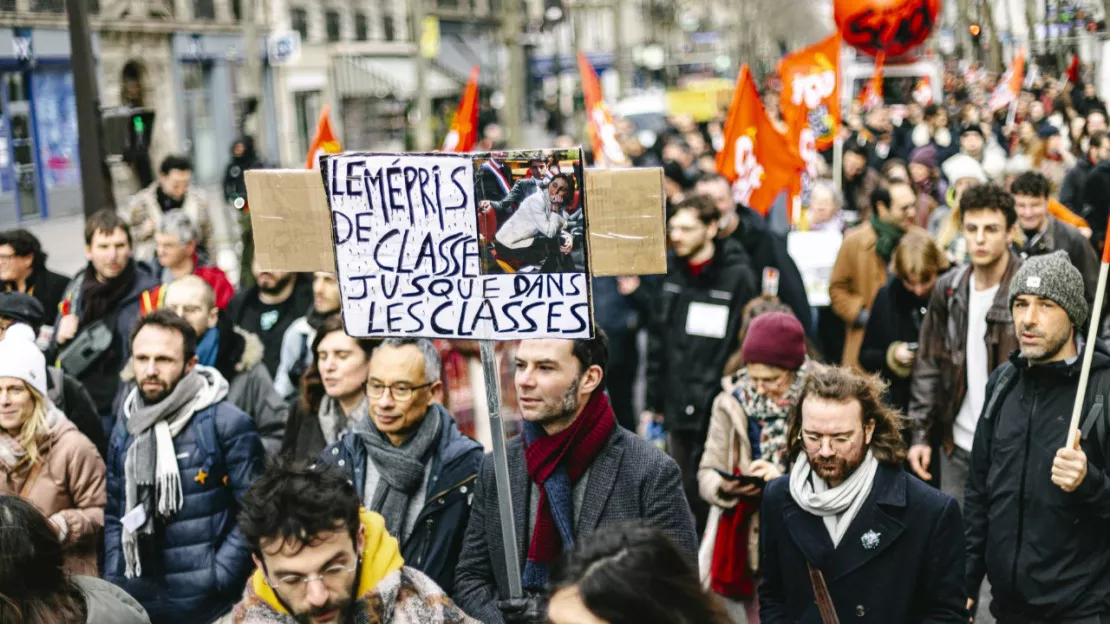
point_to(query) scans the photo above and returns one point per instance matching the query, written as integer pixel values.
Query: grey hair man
(409, 460)
(177, 238)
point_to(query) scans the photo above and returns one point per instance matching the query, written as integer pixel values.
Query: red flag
(1073, 69)
(603, 136)
(810, 89)
(756, 158)
(464, 130)
(323, 142)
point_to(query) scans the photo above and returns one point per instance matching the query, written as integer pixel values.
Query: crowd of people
(176, 449)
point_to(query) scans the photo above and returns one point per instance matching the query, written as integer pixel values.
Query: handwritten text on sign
(408, 257)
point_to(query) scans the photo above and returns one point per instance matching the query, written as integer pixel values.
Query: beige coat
(69, 480)
(143, 213)
(727, 447)
(856, 278)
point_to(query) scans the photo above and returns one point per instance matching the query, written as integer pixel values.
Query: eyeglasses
(816, 441)
(298, 584)
(399, 391)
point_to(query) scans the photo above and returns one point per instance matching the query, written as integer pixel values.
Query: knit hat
(22, 308)
(775, 339)
(1052, 276)
(962, 166)
(20, 357)
(1047, 130)
(972, 128)
(925, 155)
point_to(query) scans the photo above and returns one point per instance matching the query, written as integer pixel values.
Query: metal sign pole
(501, 467)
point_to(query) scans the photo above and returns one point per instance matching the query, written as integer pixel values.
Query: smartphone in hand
(742, 479)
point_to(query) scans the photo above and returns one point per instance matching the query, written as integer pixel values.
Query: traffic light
(975, 31)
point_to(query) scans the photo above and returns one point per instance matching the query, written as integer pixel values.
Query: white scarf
(837, 506)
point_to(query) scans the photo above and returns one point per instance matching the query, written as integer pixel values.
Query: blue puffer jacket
(436, 540)
(204, 561)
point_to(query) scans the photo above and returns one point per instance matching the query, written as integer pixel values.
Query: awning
(458, 56)
(380, 76)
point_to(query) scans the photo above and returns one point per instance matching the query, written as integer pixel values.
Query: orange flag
(810, 89)
(464, 130)
(871, 95)
(324, 142)
(756, 158)
(1009, 86)
(603, 135)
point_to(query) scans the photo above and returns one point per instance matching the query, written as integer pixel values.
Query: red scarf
(575, 447)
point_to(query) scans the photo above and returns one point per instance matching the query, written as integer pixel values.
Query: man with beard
(180, 460)
(321, 558)
(533, 235)
(848, 534)
(1037, 509)
(694, 327)
(296, 351)
(268, 308)
(409, 460)
(170, 192)
(572, 473)
(235, 353)
(104, 296)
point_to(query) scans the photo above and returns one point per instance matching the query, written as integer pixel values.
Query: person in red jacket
(177, 254)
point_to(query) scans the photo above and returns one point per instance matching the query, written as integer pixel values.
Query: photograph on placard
(531, 212)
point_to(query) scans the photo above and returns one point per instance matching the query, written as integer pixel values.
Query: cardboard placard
(292, 224)
(420, 253)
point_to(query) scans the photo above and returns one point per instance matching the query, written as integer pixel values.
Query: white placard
(409, 258)
(815, 254)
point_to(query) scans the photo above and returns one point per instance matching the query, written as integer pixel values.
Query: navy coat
(436, 540)
(912, 575)
(205, 561)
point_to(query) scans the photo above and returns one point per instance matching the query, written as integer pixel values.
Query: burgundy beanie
(775, 339)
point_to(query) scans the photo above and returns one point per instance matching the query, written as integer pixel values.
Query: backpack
(1098, 387)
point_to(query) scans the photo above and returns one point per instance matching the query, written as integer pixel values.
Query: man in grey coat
(573, 472)
(236, 353)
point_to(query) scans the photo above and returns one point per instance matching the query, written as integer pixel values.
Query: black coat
(488, 186)
(46, 286)
(1096, 202)
(684, 370)
(912, 576)
(767, 249)
(437, 538)
(1045, 551)
(896, 316)
(1071, 189)
(629, 481)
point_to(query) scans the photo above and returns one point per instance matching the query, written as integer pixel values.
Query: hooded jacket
(938, 383)
(68, 480)
(199, 558)
(437, 537)
(107, 604)
(686, 356)
(387, 593)
(1045, 551)
(101, 379)
(234, 181)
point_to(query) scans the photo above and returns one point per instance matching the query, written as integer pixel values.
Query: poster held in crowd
(815, 254)
(417, 255)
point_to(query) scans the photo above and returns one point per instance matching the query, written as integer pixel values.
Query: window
(7, 5)
(94, 7)
(48, 6)
(331, 20)
(299, 17)
(451, 5)
(237, 10)
(387, 28)
(362, 27)
(204, 9)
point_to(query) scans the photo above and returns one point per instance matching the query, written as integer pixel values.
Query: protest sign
(815, 254)
(418, 254)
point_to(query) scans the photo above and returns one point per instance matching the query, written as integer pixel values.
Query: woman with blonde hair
(44, 459)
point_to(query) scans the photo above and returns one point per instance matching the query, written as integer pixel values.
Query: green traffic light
(137, 123)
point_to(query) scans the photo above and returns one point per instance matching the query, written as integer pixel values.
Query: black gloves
(531, 609)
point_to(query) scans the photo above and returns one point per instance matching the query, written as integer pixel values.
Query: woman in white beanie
(44, 459)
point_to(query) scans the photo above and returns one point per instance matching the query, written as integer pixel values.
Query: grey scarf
(151, 476)
(333, 423)
(401, 467)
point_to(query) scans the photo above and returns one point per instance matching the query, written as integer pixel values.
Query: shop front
(39, 169)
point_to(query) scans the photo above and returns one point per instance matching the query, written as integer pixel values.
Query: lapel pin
(870, 540)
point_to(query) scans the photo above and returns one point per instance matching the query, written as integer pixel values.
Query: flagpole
(1089, 348)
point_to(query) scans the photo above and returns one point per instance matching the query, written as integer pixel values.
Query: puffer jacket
(684, 369)
(239, 360)
(939, 380)
(107, 604)
(437, 537)
(200, 559)
(68, 480)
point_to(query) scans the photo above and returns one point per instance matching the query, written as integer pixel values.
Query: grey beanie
(1054, 277)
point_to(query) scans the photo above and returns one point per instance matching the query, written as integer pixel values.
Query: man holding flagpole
(1038, 503)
